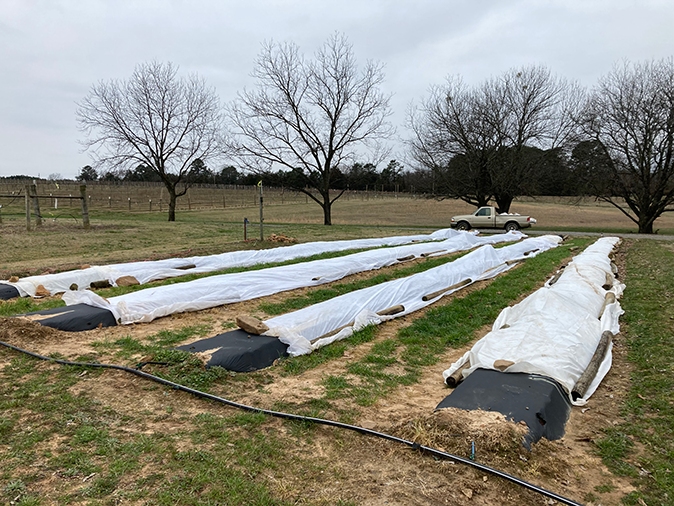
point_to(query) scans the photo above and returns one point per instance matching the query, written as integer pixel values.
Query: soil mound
(22, 332)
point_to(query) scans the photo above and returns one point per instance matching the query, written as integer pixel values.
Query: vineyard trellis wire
(152, 196)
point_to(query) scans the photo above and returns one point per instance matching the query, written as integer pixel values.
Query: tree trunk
(172, 203)
(503, 203)
(327, 211)
(645, 225)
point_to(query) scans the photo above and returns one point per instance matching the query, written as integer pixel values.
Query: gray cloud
(52, 51)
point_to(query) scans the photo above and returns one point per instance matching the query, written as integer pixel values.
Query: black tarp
(537, 400)
(75, 318)
(239, 351)
(8, 292)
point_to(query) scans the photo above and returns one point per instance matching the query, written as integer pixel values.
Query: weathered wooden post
(583, 383)
(150, 205)
(85, 206)
(261, 216)
(27, 189)
(0, 215)
(109, 201)
(36, 205)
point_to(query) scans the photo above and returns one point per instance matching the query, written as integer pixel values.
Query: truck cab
(484, 217)
(487, 217)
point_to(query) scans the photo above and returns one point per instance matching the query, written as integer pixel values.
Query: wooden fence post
(27, 190)
(261, 215)
(36, 206)
(0, 215)
(85, 206)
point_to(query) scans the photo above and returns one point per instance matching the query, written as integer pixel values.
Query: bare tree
(630, 116)
(538, 108)
(154, 118)
(479, 139)
(311, 116)
(452, 138)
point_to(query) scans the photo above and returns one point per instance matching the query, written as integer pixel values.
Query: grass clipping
(22, 331)
(454, 430)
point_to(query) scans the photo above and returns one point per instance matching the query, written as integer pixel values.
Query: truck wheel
(463, 225)
(512, 225)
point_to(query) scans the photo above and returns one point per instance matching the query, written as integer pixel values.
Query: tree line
(359, 176)
(322, 123)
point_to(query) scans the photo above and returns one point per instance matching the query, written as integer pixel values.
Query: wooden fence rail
(32, 199)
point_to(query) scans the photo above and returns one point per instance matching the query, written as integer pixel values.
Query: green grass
(608, 230)
(47, 432)
(126, 347)
(62, 244)
(174, 365)
(23, 305)
(423, 342)
(643, 446)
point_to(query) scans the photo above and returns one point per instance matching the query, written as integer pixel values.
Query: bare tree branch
(310, 116)
(630, 114)
(481, 141)
(153, 118)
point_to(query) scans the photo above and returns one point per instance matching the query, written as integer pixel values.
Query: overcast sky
(52, 51)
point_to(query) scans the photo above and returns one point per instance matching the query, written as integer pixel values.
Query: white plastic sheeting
(148, 271)
(150, 303)
(299, 328)
(555, 331)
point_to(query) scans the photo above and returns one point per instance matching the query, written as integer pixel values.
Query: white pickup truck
(487, 217)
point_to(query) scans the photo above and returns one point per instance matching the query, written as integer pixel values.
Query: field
(121, 235)
(85, 436)
(231, 204)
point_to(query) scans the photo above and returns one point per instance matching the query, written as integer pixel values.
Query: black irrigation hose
(332, 423)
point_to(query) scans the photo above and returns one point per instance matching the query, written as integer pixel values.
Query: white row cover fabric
(148, 271)
(150, 303)
(555, 331)
(359, 308)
